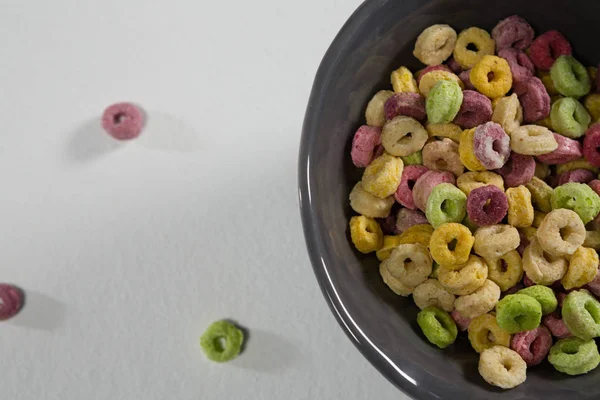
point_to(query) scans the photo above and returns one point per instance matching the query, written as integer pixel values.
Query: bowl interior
(378, 38)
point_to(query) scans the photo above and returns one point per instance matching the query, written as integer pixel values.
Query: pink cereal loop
(123, 121)
(12, 299)
(532, 346)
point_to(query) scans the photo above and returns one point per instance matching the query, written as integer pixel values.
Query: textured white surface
(128, 252)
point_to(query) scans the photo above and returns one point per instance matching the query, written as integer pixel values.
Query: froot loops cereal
(480, 195)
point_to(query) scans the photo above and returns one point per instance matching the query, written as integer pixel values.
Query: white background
(128, 252)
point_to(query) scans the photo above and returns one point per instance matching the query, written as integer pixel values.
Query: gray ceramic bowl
(378, 38)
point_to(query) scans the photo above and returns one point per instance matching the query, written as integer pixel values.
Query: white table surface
(128, 252)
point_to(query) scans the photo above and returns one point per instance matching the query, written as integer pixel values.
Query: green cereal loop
(222, 331)
(577, 197)
(443, 102)
(581, 314)
(415, 158)
(434, 270)
(544, 295)
(518, 312)
(574, 356)
(570, 118)
(438, 326)
(446, 203)
(570, 78)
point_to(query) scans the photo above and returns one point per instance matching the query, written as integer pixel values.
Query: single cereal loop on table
(501, 81)
(508, 113)
(394, 284)
(415, 158)
(450, 131)
(591, 103)
(579, 198)
(502, 367)
(541, 194)
(402, 136)
(544, 295)
(375, 114)
(583, 268)
(435, 44)
(123, 121)
(476, 109)
(470, 181)
(520, 207)
(591, 145)
(430, 79)
(547, 47)
(494, 241)
(446, 203)
(481, 301)
(382, 177)
(368, 205)
(466, 151)
(405, 104)
(11, 301)
(437, 326)
(407, 218)
(404, 193)
(517, 313)
(222, 341)
(487, 205)
(570, 77)
(403, 81)
(366, 234)
(463, 279)
(417, 234)
(443, 102)
(432, 293)
(581, 314)
(389, 244)
(411, 264)
(485, 333)
(521, 66)
(577, 164)
(455, 235)
(442, 155)
(519, 170)
(556, 325)
(570, 118)
(533, 140)
(425, 184)
(574, 356)
(540, 267)
(491, 145)
(364, 142)
(534, 99)
(475, 37)
(533, 346)
(506, 271)
(513, 32)
(568, 150)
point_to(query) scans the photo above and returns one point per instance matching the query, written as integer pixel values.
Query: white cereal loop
(394, 284)
(508, 113)
(532, 140)
(432, 293)
(403, 135)
(502, 367)
(561, 232)
(480, 302)
(435, 44)
(368, 205)
(375, 114)
(542, 268)
(410, 264)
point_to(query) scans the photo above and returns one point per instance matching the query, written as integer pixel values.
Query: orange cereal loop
(478, 38)
(451, 244)
(520, 208)
(366, 234)
(416, 234)
(466, 152)
(501, 80)
(403, 81)
(429, 80)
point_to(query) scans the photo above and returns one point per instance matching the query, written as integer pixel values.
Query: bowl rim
(312, 226)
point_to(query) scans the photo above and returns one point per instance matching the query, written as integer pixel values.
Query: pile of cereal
(480, 198)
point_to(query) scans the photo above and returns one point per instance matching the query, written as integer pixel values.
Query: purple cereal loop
(406, 103)
(364, 143)
(476, 109)
(522, 246)
(568, 150)
(454, 66)
(595, 185)
(556, 325)
(426, 183)
(465, 77)
(594, 286)
(527, 282)
(491, 145)
(534, 99)
(379, 150)
(576, 175)
(388, 224)
(123, 121)
(430, 68)
(12, 299)
(521, 66)
(513, 290)
(404, 193)
(513, 31)
(461, 322)
(560, 298)
(407, 218)
(519, 170)
(532, 346)
(487, 205)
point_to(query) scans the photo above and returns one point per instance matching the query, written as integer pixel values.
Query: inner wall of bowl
(382, 42)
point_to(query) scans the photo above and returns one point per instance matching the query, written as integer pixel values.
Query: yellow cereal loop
(592, 105)
(450, 131)
(389, 244)
(540, 267)
(542, 171)
(501, 77)
(538, 217)
(506, 271)
(432, 293)
(520, 208)
(464, 279)
(403, 81)
(382, 177)
(508, 113)
(541, 193)
(466, 152)
(481, 301)
(394, 284)
(435, 44)
(431, 78)
(582, 268)
(473, 180)
(375, 113)
(592, 239)
(411, 264)
(368, 205)
(417, 234)
(477, 37)
(548, 82)
(451, 244)
(577, 164)
(484, 333)
(366, 234)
